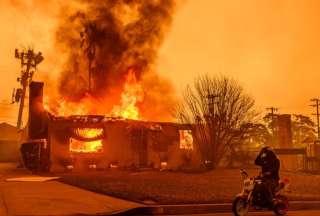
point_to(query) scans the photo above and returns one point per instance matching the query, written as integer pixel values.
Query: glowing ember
(132, 94)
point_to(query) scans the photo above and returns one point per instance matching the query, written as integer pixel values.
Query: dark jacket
(269, 163)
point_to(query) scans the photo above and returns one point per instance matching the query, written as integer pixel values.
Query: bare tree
(215, 108)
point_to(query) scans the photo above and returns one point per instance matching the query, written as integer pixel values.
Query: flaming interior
(87, 140)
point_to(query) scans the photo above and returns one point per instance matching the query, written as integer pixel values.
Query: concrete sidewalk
(53, 198)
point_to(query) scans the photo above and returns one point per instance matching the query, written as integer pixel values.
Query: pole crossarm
(29, 61)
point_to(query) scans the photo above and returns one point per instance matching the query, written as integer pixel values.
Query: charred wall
(130, 144)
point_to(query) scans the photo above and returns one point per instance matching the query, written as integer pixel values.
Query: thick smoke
(117, 35)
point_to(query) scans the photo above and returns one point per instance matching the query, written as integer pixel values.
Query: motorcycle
(252, 197)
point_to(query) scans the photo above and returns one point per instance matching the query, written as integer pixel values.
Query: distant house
(9, 143)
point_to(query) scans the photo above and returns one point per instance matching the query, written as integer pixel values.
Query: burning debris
(111, 47)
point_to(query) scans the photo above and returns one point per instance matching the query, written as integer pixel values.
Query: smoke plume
(112, 37)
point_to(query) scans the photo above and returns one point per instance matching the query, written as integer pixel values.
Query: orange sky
(271, 46)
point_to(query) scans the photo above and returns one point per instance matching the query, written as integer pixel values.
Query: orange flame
(132, 94)
(85, 147)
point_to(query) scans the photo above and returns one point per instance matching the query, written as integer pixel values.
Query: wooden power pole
(316, 105)
(89, 38)
(29, 61)
(212, 120)
(272, 112)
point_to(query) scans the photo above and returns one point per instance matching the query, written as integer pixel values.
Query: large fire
(131, 95)
(107, 53)
(127, 108)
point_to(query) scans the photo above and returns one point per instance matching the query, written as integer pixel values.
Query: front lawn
(216, 186)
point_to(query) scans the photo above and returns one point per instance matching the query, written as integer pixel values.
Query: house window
(86, 140)
(186, 139)
(79, 146)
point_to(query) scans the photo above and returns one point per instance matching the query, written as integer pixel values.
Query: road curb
(304, 205)
(206, 208)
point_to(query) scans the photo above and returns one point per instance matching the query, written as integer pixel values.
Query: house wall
(121, 146)
(172, 153)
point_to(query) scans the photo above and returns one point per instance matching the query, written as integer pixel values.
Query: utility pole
(29, 61)
(272, 112)
(316, 104)
(212, 119)
(211, 104)
(89, 38)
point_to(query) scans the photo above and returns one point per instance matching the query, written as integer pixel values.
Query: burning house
(109, 49)
(82, 142)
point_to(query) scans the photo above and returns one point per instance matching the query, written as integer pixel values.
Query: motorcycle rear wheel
(240, 206)
(281, 206)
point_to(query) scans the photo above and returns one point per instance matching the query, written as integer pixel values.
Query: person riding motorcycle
(270, 165)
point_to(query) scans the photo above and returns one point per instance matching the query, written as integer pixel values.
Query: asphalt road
(292, 213)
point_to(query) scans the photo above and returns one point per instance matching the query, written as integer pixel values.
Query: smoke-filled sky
(271, 46)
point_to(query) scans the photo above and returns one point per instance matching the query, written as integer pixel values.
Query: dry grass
(176, 188)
